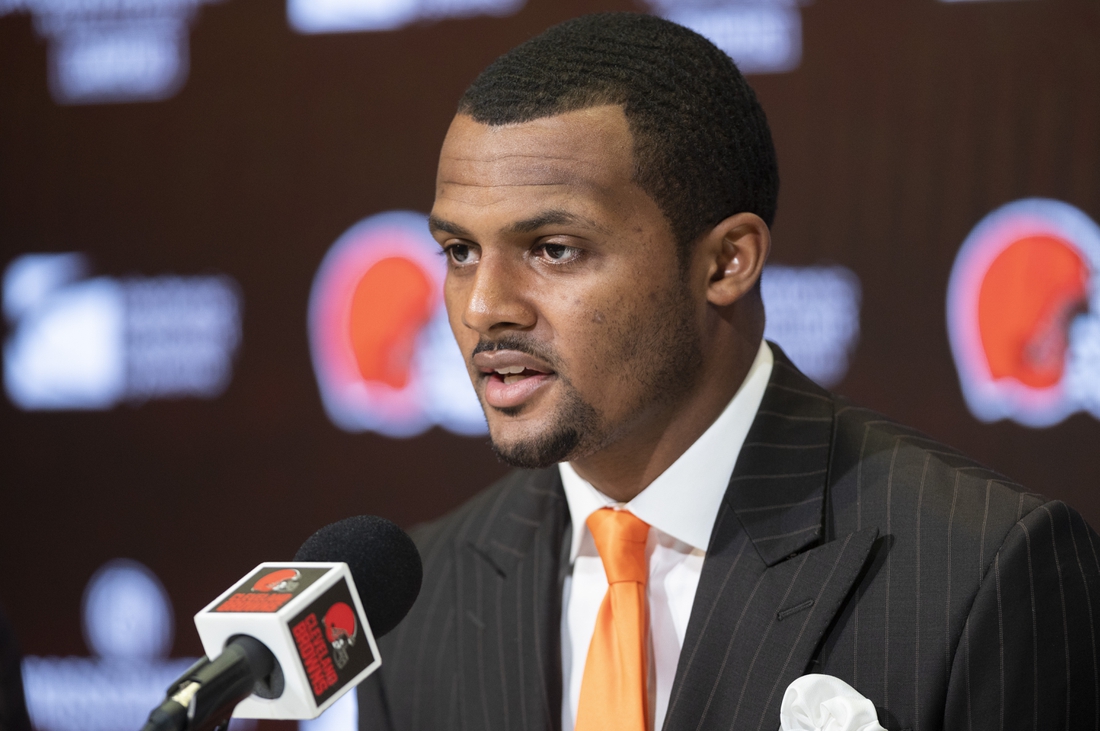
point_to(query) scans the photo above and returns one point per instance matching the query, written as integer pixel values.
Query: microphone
(290, 638)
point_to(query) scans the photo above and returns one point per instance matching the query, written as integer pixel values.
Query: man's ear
(734, 253)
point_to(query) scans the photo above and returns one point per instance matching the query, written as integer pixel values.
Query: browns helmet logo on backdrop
(1023, 314)
(382, 348)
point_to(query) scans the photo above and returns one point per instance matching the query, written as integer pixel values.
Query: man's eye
(461, 254)
(559, 253)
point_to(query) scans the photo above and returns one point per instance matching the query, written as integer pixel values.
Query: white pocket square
(825, 703)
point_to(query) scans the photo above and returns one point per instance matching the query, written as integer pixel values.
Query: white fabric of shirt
(680, 506)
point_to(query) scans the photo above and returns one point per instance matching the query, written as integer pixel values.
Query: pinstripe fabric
(846, 544)
(481, 647)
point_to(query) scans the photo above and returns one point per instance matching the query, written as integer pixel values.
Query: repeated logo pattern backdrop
(223, 322)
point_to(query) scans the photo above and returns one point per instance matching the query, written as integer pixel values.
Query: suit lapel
(769, 588)
(509, 597)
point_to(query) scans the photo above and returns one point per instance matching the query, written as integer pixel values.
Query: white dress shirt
(680, 506)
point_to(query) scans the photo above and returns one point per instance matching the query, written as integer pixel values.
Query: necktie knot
(620, 539)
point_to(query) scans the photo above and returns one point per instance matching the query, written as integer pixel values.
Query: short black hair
(702, 147)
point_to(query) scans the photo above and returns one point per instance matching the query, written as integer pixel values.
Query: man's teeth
(512, 374)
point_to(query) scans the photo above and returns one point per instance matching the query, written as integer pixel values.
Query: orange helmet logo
(341, 629)
(392, 302)
(283, 580)
(1021, 312)
(382, 348)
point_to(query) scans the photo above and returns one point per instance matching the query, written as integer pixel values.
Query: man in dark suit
(604, 201)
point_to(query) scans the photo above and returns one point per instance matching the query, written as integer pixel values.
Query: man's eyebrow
(438, 224)
(554, 217)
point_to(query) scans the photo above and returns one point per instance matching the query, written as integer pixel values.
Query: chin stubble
(576, 420)
(666, 360)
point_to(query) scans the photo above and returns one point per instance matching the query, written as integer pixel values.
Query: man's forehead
(589, 146)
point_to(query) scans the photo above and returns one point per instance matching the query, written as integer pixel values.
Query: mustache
(519, 344)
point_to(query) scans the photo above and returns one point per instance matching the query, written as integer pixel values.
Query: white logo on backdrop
(338, 16)
(128, 625)
(813, 314)
(127, 613)
(113, 50)
(762, 36)
(79, 343)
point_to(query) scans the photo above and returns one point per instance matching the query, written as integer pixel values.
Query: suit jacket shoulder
(886, 474)
(967, 604)
(854, 546)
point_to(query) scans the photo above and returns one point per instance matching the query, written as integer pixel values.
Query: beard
(574, 421)
(658, 350)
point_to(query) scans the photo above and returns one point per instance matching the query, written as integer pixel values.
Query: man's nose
(496, 299)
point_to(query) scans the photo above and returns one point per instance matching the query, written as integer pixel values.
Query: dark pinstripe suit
(846, 545)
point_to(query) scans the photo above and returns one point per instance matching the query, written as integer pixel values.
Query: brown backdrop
(907, 122)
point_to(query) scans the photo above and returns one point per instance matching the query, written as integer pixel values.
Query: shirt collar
(684, 499)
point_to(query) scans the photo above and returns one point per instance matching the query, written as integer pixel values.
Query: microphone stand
(203, 698)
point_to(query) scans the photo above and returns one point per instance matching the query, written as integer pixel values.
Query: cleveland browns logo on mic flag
(382, 348)
(1023, 313)
(340, 631)
(283, 580)
(267, 589)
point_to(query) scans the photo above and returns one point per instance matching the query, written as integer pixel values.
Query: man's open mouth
(514, 374)
(511, 378)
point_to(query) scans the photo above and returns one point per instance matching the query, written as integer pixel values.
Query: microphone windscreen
(383, 561)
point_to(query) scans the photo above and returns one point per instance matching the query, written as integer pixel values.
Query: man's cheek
(460, 332)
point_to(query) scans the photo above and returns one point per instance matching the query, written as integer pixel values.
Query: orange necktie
(613, 689)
